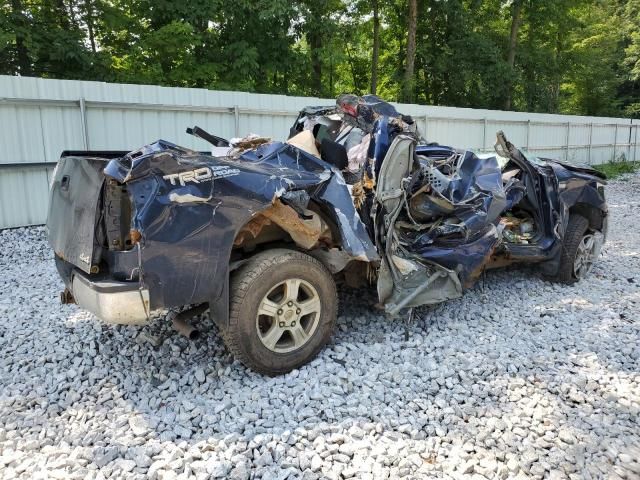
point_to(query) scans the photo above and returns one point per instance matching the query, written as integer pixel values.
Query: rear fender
(189, 208)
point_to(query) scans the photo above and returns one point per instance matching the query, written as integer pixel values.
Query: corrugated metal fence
(39, 118)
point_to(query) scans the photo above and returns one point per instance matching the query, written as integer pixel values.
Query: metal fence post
(635, 146)
(484, 134)
(629, 142)
(236, 118)
(566, 152)
(83, 120)
(528, 133)
(590, 142)
(615, 143)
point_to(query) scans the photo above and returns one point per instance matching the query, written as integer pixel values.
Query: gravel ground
(519, 378)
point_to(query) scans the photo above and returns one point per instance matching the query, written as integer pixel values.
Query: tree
(412, 23)
(571, 56)
(628, 15)
(22, 61)
(516, 8)
(317, 27)
(375, 48)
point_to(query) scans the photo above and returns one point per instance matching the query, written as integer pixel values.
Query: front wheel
(580, 249)
(282, 311)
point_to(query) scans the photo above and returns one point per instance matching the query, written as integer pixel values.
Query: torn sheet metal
(190, 208)
(474, 196)
(365, 126)
(439, 215)
(427, 284)
(366, 110)
(466, 259)
(305, 230)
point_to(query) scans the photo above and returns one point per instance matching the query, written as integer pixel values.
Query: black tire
(250, 285)
(576, 228)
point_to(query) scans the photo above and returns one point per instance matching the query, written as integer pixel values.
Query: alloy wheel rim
(584, 256)
(288, 315)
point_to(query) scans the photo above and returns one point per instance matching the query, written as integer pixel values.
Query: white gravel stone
(199, 375)
(316, 463)
(519, 378)
(137, 425)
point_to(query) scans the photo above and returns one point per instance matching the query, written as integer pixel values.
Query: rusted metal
(135, 236)
(181, 324)
(306, 232)
(250, 142)
(66, 297)
(476, 273)
(251, 230)
(359, 191)
(499, 261)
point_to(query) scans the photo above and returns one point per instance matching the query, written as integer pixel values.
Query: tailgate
(74, 211)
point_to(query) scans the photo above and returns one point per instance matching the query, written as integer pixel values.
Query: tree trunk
(23, 63)
(411, 51)
(557, 76)
(89, 19)
(65, 16)
(375, 51)
(315, 43)
(529, 72)
(331, 94)
(352, 68)
(511, 55)
(285, 81)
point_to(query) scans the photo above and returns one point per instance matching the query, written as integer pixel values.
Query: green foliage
(591, 82)
(615, 169)
(571, 56)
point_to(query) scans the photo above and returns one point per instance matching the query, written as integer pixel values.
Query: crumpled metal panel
(477, 197)
(467, 259)
(188, 223)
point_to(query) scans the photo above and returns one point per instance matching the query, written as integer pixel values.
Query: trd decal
(199, 175)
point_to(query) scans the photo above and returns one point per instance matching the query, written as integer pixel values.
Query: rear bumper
(122, 303)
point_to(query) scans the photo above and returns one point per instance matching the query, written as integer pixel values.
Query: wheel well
(593, 214)
(258, 232)
(308, 229)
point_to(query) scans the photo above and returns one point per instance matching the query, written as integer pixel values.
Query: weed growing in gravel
(615, 169)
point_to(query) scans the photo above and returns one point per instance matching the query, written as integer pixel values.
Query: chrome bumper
(112, 302)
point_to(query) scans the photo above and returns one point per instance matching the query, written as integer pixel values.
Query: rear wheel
(579, 251)
(282, 312)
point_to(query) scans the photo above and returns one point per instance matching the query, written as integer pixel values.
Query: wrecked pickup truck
(259, 231)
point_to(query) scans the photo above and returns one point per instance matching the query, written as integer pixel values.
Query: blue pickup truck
(258, 232)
